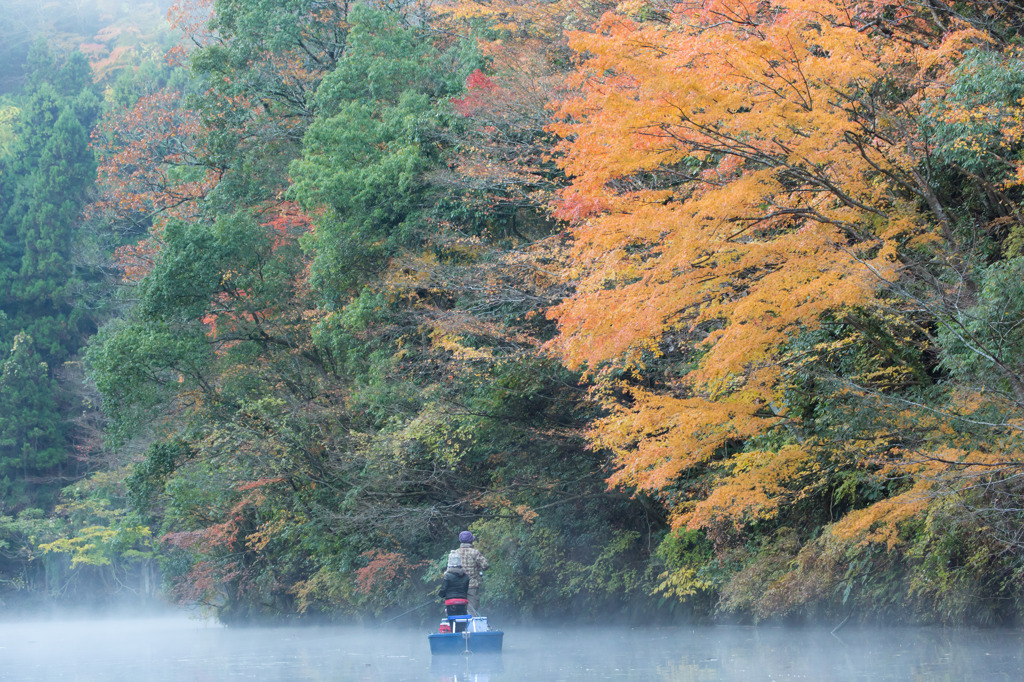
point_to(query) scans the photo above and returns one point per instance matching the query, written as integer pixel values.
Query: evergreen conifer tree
(31, 430)
(47, 178)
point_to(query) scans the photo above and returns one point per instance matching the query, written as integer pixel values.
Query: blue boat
(477, 667)
(465, 635)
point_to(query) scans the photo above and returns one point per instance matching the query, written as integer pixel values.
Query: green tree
(32, 443)
(46, 182)
(378, 133)
(320, 439)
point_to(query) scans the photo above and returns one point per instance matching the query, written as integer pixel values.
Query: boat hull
(488, 642)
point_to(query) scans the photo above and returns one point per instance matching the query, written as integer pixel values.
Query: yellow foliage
(880, 523)
(93, 545)
(451, 344)
(759, 483)
(681, 583)
(728, 186)
(258, 540)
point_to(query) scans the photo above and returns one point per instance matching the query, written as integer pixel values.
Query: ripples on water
(178, 649)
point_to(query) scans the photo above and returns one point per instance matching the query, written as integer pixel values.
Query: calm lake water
(182, 649)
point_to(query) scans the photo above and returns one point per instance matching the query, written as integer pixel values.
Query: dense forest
(705, 310)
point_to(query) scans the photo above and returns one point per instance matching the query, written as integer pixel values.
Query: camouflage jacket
(473, 562)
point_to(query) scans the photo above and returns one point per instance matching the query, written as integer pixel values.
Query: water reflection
(179, 649)
(467, 668)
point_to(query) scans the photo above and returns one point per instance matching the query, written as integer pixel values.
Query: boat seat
(459, 623)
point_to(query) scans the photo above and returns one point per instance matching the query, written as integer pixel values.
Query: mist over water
(177, 648)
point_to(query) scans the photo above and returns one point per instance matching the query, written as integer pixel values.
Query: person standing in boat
(455, 587)
(474, 563)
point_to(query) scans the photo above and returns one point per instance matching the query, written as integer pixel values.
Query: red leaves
(191, 17)
(383, 571)
(259, 483)
(288, 224)
(151, 159)
(204, 581)
(482, 92)
(135, 261)
(217, 546)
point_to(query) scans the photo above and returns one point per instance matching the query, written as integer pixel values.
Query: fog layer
(183, 649)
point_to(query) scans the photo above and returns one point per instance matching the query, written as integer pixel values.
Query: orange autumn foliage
(151, 168)
(738, 172)
(151, 159)
(191, 18)
(384, 571)
(135, 261)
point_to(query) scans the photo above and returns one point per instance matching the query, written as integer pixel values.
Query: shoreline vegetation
(696, 312)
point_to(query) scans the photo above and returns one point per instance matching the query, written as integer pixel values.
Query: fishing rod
(430, 601)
